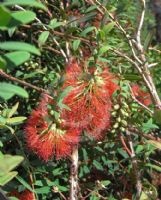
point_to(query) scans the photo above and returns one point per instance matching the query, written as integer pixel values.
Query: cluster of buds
(120, 114)
(31, 64)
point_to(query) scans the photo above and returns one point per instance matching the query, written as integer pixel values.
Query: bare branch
(74, 174)
(136, 100)
(138, 34)
(135, 166)
(118, 25)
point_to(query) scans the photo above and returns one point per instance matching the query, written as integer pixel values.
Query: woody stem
(74, 174)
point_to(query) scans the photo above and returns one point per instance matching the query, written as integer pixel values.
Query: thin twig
(125, 146)
(148, 136)
(52, 49)
(10, 77)
(136, 100)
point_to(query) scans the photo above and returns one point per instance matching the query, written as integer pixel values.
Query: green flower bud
(122, 129)
(113, 131)
(124, 113)
(125, 105)
(123, 122)
(114, 114)
(51, 112)
(116, 125)
(118, 119)
(116, 107)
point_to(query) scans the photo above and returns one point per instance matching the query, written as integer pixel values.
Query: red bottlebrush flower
(45, 137)
(89, 100)
(141, 95)
(25, 195)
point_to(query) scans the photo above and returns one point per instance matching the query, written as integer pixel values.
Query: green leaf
(2, 120)
(31, 3)
(85, 155)
(106, 182)
(132, 77)
(21, 17)
(154, 143)
(87, 30)
(86, 169)
(57, 171)
(54, 23)
(103, 49)
(91, 8)
(43, 190)
(13, 198)
(97, 165)
(15, 120)
(148, 126)
(5, 16)
(7, 177)
(15, 58)
(107, 28)
(76, 44)
(8, 90)
(149, 38)
(19, 46)
(94, 197)
(13, 110)
(24, 183)
(9, 162)
(43, 37)
(157, 116)
(2, 63)
(144, 196)
(155, 167)
(61, 97)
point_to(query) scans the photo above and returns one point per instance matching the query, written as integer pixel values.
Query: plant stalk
(74, 174)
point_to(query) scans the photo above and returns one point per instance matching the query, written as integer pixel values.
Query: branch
(135, 167)
(148, 136)
(136, 100)
(118, 25)
(74, 174)
(138, 34)
(10, 77)
(125, 146)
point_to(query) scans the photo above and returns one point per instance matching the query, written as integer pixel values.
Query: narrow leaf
(9, 162)
(31, 3)
(5, 16)
(76, 44)
(16, 58)
(21, 17)
(8, 90)
(19, 46)
(14, 120)
(7, 177)
(43, 37)
(24, 183)
(13, 110)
